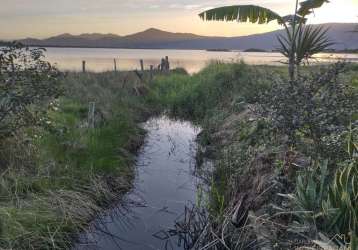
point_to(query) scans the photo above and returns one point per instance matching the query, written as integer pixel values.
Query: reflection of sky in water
(164, 185)
(192, 60)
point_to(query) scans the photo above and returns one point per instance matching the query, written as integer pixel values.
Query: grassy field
(59, 175)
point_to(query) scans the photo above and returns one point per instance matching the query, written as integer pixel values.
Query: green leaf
(241, 13)
(308, 5)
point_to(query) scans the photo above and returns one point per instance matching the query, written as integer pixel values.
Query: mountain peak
(65, 35)
(153, 30)
(153, 34)
(96, 36)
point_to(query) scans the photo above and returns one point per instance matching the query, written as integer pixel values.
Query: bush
(317, 107)
(25, 79)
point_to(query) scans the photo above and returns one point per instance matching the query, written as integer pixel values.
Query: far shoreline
(250, 50)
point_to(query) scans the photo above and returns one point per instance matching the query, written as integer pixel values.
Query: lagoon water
(99, 60)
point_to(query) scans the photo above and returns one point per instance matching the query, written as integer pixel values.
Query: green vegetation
(196, 97)
(72, 158)
(26, 79)
(285, 152)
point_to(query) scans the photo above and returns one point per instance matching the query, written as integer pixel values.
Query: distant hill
(340, 33)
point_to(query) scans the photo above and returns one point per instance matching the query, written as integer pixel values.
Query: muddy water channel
(165, 183)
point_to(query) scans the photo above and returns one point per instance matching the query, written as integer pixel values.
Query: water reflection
(99, 60)
(164, 185)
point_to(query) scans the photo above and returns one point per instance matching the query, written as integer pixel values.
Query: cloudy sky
(44, 18)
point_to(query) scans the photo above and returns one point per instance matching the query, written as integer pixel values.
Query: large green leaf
(241, 13)
(308, 5)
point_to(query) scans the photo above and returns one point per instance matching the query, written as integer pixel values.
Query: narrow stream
(164, 185)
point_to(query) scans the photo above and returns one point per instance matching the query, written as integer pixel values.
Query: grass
(58, 175)
(196, 97)
(250, 156)
(61, 174)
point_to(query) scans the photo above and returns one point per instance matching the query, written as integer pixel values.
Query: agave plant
(341, 207)
(291, 23)
(342, 204)
(310, 190)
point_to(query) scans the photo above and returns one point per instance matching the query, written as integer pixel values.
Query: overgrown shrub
(316, 107)
(25, 79)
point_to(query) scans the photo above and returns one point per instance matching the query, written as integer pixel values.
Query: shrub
(317, 107)
(25, 79)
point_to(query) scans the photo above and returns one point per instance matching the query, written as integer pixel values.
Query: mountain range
(340, 33)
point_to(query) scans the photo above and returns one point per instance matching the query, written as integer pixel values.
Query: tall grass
(216, 86)
(59, 175)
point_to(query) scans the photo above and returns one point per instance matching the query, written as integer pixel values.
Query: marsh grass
(58, 176)
(250, 156)
(211, 90)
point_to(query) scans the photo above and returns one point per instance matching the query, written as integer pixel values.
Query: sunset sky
(44, 18)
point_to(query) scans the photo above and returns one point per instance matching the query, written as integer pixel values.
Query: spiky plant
(309, 41)
(341, 207)
(261, 15)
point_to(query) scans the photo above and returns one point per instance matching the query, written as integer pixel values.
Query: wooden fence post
(115, 65)
(141, 65)
(84, 66)
(167, 64)
(91, 114)
(151, 72)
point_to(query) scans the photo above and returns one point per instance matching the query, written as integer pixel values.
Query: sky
(45, 18)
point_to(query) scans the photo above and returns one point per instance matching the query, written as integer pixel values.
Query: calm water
(192, 60)
(164, 184)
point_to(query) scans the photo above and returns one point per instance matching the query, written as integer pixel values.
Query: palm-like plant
(309, 41)
(293, 24)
